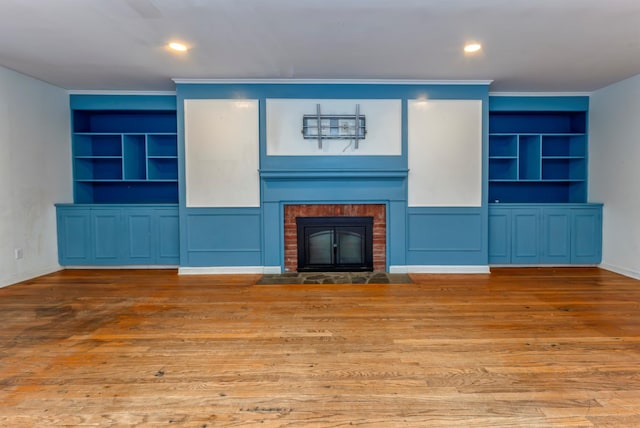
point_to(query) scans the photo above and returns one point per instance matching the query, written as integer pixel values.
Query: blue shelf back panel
(323, 179)
(537, 192)
(131, 121)
(126, 192)
(162, 145)
(539, 122)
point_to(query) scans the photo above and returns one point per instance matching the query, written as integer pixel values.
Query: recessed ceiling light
(178, 46)
(472, 47)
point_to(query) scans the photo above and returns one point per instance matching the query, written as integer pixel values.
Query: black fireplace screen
(338, 244)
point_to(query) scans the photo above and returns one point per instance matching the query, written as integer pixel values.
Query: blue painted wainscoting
(446, 236)
(223, 237)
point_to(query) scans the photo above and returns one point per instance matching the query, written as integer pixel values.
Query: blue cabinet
(545, 234)
(108, 235)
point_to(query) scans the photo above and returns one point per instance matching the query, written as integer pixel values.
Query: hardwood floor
(517, 348)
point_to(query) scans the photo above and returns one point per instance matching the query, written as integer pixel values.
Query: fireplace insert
(335, 244)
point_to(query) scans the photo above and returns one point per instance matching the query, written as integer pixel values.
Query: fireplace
(294, 211)
(335, 244)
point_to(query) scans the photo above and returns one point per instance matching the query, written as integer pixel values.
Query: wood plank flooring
(137, 348)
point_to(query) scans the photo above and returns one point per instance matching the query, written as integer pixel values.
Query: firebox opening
(335, 244)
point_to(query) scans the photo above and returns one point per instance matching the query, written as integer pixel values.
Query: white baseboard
(121, 267)
(25, 276)
(631, 273)
(216, 270)
(439, 269)
(542, 265)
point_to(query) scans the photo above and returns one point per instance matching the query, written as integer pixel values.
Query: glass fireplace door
(325, 244)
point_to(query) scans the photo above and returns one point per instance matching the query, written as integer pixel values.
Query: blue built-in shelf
(124, 150)
(537, 156)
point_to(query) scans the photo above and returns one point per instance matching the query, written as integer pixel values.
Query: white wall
(222, 154)
(614, 172)
(284, 128)
(445, 153)
(35, 172)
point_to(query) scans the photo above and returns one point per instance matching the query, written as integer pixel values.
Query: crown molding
(331, 81)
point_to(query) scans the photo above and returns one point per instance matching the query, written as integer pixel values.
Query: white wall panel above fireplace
(445, 153)
(284, 127)
(221, 153)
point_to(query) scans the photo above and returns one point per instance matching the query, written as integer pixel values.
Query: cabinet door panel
(556, 236)
(500, 237)
(526, 232)
(74, 236)
(587, 236)
(168, 237)
(106, 229)
(139, 236)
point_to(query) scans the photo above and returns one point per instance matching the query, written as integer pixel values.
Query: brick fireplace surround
(377, 211)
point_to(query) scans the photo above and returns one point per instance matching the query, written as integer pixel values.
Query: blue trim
(335, 162)
(339, 190)
(528, 103)
(122, 102)
(328, 91)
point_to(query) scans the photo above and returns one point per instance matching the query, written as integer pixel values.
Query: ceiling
(529, 45)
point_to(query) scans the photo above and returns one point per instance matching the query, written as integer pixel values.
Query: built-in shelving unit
(538, 209)
(125, 156)
(537, 157)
